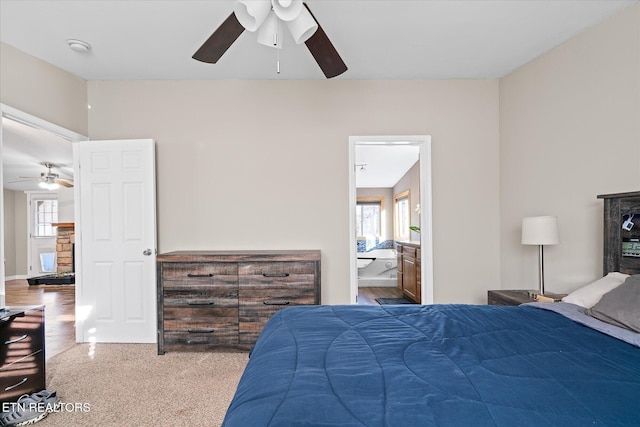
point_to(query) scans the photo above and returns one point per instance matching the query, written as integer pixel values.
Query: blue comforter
(439, 365)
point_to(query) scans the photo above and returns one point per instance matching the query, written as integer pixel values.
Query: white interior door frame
(426, 235)
(37, 123)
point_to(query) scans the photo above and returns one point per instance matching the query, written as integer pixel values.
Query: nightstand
(515, 297)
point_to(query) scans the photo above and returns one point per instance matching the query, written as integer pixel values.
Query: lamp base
(547, 297)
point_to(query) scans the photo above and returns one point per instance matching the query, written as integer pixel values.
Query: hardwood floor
(367, 296)
(59, 312)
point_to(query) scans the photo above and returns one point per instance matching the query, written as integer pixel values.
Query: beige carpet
(130, 385)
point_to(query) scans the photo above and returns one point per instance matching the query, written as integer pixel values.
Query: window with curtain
(401, 215)
(368, 217)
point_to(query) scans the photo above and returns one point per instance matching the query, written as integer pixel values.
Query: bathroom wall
(411, 181)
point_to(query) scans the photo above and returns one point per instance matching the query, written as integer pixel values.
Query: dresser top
(239, 255)
(17, 311)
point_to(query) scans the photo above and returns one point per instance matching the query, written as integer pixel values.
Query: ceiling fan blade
(30, 177)
(324, 53)
(64, 183)
(221, 40)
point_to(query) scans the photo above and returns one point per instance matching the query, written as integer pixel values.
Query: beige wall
(22, 232)
(15, 233)
(9, 233)
(40, 89)
(569, 130)
(264, 164)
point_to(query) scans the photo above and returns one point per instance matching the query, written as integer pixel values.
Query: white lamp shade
(251, 13)
(302, 27)
(287, 10)
(270, 33)
(540, 230)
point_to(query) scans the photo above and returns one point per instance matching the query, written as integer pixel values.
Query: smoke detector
(79, 46)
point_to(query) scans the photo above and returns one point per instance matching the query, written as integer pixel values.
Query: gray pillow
(621, 306)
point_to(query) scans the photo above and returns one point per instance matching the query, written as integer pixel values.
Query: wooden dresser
(409, 273)
(22, 361)
(211, 300)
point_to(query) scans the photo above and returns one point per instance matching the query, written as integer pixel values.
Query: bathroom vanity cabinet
(409, 270)
(210, 300)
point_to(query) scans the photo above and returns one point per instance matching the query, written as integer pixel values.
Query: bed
(542, 364)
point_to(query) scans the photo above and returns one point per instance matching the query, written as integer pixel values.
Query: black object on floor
(383, 301)
(53, 279)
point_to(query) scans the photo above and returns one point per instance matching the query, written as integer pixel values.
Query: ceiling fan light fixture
(270, 33)
(287, 10)
(47, 185)
(251, 13)
(303, 27)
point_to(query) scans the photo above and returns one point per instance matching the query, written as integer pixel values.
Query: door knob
(147, 252)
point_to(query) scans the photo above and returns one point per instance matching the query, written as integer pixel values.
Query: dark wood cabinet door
(409, 280)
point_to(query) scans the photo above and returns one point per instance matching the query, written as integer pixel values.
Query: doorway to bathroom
(390, 208)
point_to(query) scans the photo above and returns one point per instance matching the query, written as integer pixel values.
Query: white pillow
(588, 295)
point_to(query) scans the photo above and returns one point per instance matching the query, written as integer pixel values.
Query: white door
(116, 299)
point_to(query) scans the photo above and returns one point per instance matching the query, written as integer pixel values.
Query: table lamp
(540, 230)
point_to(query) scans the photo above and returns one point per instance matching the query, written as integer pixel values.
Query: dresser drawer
(23, 334)
(202, 337)
(255, 309)
(199, 273)
(22, 369)
(22, 374)
(276, 270)
(187, 318)
(176, 295)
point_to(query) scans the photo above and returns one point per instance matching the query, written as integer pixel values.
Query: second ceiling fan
(264, 16)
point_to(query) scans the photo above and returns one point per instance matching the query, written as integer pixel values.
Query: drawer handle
(16, 340)
(201, 331)
(200, 303)
(11, 387)
(200, 275)
(275, 302)
(276, 275)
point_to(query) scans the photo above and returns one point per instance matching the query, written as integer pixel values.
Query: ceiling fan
(267, 17)
(49, 180)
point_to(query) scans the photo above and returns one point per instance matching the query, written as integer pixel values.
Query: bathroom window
(368, 212)
(401, 215)
(45, 214)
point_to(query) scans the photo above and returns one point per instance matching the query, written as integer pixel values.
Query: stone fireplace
(65, 242)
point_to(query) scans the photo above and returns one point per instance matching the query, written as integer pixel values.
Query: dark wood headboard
(619, 207)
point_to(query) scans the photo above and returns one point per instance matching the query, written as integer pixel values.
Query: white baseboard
(19, 277)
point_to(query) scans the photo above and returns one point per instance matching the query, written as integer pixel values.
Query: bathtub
(378, 267)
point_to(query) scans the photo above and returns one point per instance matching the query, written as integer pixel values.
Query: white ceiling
(377, 39)
(25, 149)
(382, 166)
